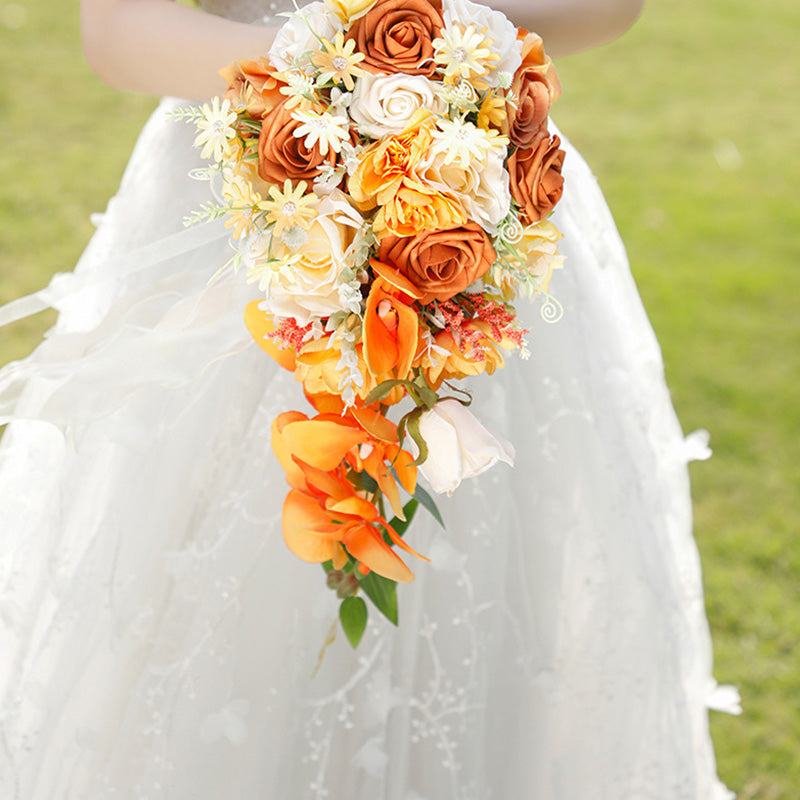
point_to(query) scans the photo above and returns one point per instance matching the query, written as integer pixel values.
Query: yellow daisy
(464, 51)
(337, 62)
(243, 202)
(492, 112)
(290, 207)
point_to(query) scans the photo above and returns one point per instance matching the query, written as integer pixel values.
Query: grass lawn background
(690, 122)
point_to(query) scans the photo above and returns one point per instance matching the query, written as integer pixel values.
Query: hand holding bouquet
(387, 176)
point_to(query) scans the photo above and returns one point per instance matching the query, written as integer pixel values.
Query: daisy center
(459, 54)
(340, 63)
(289, 209)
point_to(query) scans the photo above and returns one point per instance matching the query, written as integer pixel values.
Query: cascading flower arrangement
(387, 176)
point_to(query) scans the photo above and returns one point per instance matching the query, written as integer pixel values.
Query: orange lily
(366, 441)
(329, 520)
(321, 442)
(390, 331)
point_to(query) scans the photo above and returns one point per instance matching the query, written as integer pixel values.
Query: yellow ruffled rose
(416, 207)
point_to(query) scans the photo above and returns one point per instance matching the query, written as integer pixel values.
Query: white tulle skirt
(157, 639)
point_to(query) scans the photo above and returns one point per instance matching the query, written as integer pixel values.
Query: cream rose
(296, 36)
(482, 187)
(499, 29)
(311, 287)
(383, 104)
(458, 446)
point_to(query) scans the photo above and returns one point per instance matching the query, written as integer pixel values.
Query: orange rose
(397, 36)
(535, 87)
(254, 84)
(441, 263)
(533, 102)
(533, 55)
(281, 155)
(535, 173)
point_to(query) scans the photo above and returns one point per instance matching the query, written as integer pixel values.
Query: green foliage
(690, 122)
(382, 592)
(353, 617)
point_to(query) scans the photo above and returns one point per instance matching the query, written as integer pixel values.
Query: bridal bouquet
(387, 175)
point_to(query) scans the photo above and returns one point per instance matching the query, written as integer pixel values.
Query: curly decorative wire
(551, 310)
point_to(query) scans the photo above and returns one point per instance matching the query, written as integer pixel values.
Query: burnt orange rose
(254, 84)
(397, 36)
(529, 113)
(442, 263)
(281, 155)
(535, 173)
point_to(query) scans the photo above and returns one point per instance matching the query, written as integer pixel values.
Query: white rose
(458, 446)
(295, 37)
(482, 187)
(312, 287)
(500, 30)
(383, 104)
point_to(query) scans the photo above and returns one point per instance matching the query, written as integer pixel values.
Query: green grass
(714, 247)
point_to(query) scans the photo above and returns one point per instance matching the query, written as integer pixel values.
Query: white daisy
(216, 128)
(330, 130)
(464, 142)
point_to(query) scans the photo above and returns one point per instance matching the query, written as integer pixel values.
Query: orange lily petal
(375, 424)
(301, 518)
(401, 543)
(364, 543)
(396, 278)
(320, 443)
(294, 475)
(260, 323)
(405, 471)
(354, 507)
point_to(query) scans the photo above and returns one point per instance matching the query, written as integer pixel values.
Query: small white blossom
(350, 296)
(294, 238)
(504, 79)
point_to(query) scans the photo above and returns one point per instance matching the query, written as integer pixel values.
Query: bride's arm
(571, 25)
(161, 47)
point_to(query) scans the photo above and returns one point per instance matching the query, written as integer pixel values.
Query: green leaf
(382, 592)
(453, 388)
(353, 616)
(409, 509)
(362, 481)
(413, 429)
(426, 394)
(428, 502)
(383, 389)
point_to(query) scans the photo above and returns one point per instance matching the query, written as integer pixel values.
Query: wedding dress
(158, 640)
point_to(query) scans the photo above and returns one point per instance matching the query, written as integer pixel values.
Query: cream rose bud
(383, 104)
(296, 36)
(458, 446)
